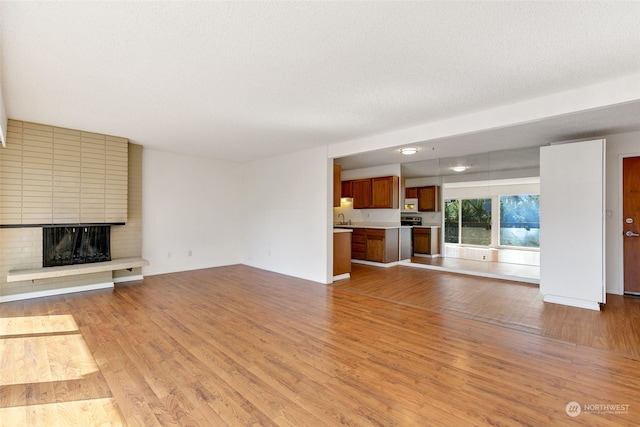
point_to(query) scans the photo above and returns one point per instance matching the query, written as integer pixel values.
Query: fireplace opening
(67, 245)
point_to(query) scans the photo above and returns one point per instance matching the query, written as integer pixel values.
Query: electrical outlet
(169, 255)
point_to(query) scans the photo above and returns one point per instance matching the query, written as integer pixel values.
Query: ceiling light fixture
(459, 168)
(407, 151)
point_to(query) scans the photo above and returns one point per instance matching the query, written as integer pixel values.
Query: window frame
(495, 223)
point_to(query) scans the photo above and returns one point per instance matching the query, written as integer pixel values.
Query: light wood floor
(240, 346)
(504, 270)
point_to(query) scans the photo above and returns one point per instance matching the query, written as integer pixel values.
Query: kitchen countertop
(426, 226)
(342, 230)
(380, 225)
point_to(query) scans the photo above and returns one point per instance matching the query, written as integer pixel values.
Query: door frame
(620, 219)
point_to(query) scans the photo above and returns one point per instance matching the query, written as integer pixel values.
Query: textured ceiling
(578, 126)
(246, 80)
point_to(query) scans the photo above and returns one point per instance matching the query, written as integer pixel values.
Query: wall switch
(190, 252)
(169, 255)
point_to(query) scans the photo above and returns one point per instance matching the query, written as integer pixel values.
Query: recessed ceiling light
(409, 150)
(459, 168)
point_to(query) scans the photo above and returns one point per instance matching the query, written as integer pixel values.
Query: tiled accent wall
(21, 248)
(51, 175)
(126, 240)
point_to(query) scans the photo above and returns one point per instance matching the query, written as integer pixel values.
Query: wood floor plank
(238, 346)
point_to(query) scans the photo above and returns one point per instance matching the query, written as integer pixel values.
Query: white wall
(618, 146)
(286, 205)
(3, 121)
(190, 204)
(288, 202)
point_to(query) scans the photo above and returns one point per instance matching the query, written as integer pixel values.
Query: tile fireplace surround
(26, 214)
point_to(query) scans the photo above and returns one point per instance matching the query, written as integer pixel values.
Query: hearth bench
(75, 269)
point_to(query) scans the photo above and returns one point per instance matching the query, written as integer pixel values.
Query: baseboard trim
(376, 264)
(52, 292)
(341, 276)
(124, 279)
(573, 302)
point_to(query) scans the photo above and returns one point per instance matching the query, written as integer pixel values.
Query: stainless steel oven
(410, 220)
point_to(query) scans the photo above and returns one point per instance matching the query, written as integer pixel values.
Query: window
(476, 222)
(520, 220)
(468, 221)
(451, 226)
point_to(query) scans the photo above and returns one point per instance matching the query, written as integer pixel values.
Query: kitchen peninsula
(380, 244)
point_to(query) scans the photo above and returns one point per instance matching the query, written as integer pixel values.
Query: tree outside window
(520, 220)
(468, 221)
(476, 222)
(451, 225)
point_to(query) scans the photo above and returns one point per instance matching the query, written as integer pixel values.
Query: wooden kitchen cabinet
(411, 193)
(384, 192)
(337, 186)
(376, 193)
(346, 189)
(375, 245)
(358, 241)
(428, 199)
(341, 253)
(362, 193)
(426, 241)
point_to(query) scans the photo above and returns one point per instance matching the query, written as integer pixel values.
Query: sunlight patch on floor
(93, 412)
(25, 325)
(36, 350)
(44, 359)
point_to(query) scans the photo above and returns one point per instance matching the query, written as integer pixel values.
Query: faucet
(343, 221)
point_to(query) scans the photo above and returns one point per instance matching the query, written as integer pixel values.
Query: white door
(572, 264)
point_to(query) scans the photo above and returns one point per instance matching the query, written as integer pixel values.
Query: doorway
(631, 223)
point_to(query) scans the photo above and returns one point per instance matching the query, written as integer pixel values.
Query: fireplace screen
(75, 245)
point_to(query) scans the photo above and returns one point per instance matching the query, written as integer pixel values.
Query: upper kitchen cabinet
(346, 189)
(376, 193)
(411, 193)
(384, 192)
(428, 199)
(362, 193)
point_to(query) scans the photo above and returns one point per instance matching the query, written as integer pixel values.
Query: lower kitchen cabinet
(375, 244)
(358, 241)
(375, 248)
(426, 241)
(341, 253)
